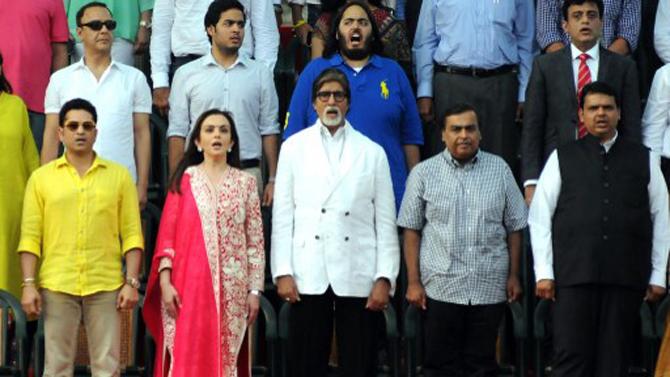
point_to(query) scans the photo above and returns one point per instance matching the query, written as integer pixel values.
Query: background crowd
(346, 158)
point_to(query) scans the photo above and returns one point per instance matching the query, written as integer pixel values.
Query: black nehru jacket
(602, 228)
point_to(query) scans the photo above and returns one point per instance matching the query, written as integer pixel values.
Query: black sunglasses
(97, 25)
(74, 126)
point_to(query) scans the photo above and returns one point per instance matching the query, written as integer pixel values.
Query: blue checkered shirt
(621, 19)
(464, 213)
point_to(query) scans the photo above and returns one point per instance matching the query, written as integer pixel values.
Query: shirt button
(606, 168)
(317, 237)
(346, 213)
(346, 238)
(323, 210)
(606, 201)
(605, 218)
(605, 238)
(606, 185)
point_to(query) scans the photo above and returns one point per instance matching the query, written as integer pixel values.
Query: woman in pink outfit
(207, 269)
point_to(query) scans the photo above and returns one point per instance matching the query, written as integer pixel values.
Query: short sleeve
(142, 95)
(412, 208)
(59, 32)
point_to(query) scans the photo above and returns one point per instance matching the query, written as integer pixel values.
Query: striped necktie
(583, 78)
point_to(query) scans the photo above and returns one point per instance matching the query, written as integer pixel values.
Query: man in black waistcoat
(599, 228)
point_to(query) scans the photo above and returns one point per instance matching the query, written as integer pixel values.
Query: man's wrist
(133, 282)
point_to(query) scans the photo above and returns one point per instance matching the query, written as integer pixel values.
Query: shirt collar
(97, 162)
(337, 60)
(343, 130)
(608, 144)
(82, 65)
(594, 52)
(457, 164)
(208, 59)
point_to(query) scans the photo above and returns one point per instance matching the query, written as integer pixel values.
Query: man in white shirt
(662, 31)
(600, 232)
(119, 92)
(226, 79)
(335, 253)
(178, 31)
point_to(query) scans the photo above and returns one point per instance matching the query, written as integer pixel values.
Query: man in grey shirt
(226, 80)
(462, 215)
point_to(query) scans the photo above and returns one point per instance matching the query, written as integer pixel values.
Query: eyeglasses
(74, 126)
(325, 95)
(97, 25)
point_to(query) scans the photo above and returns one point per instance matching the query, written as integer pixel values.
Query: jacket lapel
(350, 153)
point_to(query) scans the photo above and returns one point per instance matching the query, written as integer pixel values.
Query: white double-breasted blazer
(334, 228)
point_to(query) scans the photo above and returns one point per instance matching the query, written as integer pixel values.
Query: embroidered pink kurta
(212, 237)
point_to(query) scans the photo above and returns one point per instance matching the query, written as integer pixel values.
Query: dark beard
(354, 53)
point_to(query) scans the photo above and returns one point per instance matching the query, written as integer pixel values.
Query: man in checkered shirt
(462, 215)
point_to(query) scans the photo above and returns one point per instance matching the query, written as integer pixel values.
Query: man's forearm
(28, 265)
(514, 246)
(296, 13)
(133, 262)
(411, 242)
(270, 152)
(175, 152)
(142, 149)
(412, 155)
(59, 57)
(50, 139)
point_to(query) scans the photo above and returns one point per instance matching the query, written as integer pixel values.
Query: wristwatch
(145, 24)
(133, 282)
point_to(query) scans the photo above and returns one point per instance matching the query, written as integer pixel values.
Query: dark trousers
(594, 328)
(311, 330)
(460, 340)
(495, 99)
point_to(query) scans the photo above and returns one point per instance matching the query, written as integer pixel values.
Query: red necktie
(583, 78)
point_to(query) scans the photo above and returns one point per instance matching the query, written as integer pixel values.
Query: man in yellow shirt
(80, 218)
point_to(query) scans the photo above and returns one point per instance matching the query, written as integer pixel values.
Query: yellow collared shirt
(80, 227)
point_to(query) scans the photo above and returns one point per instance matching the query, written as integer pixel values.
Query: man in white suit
(335, 252)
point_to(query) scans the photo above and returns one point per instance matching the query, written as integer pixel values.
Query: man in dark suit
(550, 118)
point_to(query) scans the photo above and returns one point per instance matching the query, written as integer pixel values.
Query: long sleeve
(388, 248)
(283, 212)
(630, 105)
(161, 41)
(130, 225)
(253, 226)
(32, 220)
(269, 106)
(658, 205)
(425, 43)
(165, 242)
(628, 25)
(265, 32)
(540, 218)
(548, 22)
(532, 137)
(31, 160)
(525, 32)
(655, 118)
(179, 115)
(662, 31)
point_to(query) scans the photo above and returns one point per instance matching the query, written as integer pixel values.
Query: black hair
(217, 7)
(333, 44)
(331, 6)
(456, 109)
(76, 104)
(598, 87)
(331, 75)
(193, 157)
(568, 3)
(5, 86)
(92, 4)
